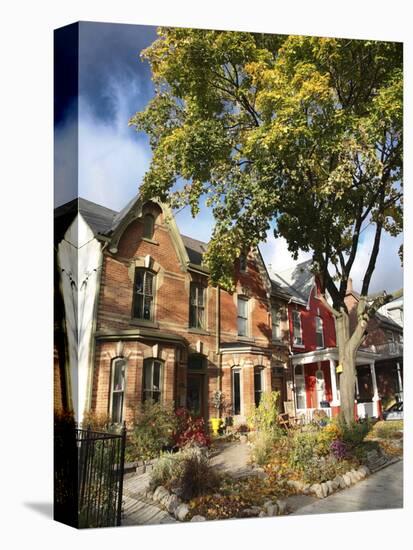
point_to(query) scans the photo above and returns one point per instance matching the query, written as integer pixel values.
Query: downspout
(218, 334)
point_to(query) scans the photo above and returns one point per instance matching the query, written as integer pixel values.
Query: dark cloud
(110, 52)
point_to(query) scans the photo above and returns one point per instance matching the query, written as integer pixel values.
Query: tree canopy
(303, 131)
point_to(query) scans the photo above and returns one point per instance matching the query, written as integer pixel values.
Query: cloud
(112, 157)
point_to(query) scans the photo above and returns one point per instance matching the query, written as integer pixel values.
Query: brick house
(384, 338)
(315, 360)
(154, 327)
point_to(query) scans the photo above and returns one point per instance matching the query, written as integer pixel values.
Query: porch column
(399, 378)
(335, 402)
(376, 398)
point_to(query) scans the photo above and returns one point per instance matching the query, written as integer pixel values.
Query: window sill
(198, 331)
(144, 323)
(246, 339)
(150, 241)
(300, 346)
(279, 342)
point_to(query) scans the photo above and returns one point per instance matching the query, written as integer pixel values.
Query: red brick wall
(308, 324)
(172, 315)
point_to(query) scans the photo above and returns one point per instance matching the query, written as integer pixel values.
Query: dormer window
(148, 226)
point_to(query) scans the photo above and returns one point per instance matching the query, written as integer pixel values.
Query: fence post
(121, 470)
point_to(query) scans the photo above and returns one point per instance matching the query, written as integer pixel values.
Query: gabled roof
(297, 281)
(195, 249)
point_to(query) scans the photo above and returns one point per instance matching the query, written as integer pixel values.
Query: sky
(114, 83)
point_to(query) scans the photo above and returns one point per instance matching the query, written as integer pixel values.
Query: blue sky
(112, 158)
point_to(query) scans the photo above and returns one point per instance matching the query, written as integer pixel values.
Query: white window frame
(299, 381)
(151, 361)
(142, 295)
(276, 322)
(246, 318)
(260, 371)
(117, 391)
(319, 324)
(236, 370)
(296, 341)
(199, 288)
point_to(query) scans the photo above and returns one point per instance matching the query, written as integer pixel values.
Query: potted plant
(217, 402)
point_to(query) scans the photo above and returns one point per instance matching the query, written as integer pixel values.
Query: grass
(387, 429)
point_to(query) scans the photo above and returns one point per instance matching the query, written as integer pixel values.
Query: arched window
(143, 294)
(152, 380)
(148, 226)
(117, 392)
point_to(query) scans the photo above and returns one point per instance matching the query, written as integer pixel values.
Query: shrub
(388, 430)
(188, 473)
(303, 450)
(190, 430)
(354, 433)
(153, 430)
(338, 449)
(97, 421)
(322, 469)
(263, 446)
(264, 418)
(325, 438)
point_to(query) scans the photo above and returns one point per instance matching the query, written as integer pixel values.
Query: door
(277, 384)
(195, 394)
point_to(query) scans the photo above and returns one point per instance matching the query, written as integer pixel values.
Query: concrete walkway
(232, 458)
(382, 490)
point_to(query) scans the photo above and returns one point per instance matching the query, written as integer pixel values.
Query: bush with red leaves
(191, 430)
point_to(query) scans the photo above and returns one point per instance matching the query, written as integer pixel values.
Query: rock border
(180, 510)
(323, 490)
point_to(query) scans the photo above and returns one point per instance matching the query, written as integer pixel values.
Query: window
(196, 306)
(258, 385)
(319, 332)
(276, 322)
(143, 294)
(297, 333)
(117, 390)
(236, 391)
(242, 316)
(300, 393)
(152, 380)
(320, 386)
(148, 226)
(243, 262)
(196, 361)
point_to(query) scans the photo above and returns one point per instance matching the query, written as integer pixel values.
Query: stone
(347, 480)
(198, 518)
(172, 503)
(341, 482)
(160, 493)
(181, 511)
(251, 512)
(364, 469)
(306, 489)
(262, 514)
(330, 487)
(315, 488)
(271, 509)
(282, 507)
(324, 490)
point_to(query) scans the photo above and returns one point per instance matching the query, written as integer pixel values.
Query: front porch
(316, 384)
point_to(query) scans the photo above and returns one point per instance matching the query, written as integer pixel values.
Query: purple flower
(338, 449)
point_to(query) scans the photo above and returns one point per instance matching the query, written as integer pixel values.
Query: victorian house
(142, 321)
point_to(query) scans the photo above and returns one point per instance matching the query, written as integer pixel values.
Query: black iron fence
(89, 468)
(101, 458)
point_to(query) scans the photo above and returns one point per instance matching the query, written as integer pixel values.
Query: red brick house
(314, 360)
(160, 330)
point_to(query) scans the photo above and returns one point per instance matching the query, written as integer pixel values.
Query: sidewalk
(382, 490)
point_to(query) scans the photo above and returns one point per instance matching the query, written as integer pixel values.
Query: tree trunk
(347, 359)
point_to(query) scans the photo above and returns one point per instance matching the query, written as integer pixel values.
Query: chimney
(349, 285)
